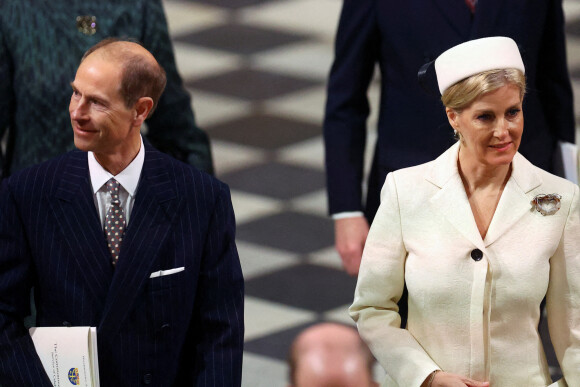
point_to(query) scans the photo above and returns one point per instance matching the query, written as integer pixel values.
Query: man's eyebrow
(91, 96)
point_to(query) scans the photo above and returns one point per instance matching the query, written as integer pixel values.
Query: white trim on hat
(476, 56)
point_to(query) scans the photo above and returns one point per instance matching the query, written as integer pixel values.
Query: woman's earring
(456, 135)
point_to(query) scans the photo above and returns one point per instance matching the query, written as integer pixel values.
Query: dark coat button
(476, 254)
(163, 329)
(147, 378)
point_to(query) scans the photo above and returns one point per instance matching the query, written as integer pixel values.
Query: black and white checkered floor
(257, 71)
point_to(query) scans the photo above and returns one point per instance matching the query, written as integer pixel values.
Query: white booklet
(566, 161)
(68, 354)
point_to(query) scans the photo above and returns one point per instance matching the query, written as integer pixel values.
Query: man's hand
(350, 236)
(445, 379)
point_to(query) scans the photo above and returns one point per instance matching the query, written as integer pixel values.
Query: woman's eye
(484, 117)
(513, 112)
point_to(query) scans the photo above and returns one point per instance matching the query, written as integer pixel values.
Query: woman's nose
(502, 128)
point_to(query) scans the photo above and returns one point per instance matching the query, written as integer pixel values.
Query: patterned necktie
(471, 4)
(114, 221)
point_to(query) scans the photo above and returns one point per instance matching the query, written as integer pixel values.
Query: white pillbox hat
(476, 56)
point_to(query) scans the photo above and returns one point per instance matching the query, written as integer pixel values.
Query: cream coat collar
(451, 200)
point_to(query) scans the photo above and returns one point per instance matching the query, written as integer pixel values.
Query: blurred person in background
(330, 355)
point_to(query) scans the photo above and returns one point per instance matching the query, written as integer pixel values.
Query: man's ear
(142, 108)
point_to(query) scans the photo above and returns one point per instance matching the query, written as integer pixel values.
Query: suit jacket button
(476, 254)
(147, 378)
(163, 329)
(66, 324)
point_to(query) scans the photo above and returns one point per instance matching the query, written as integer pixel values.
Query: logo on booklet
(73, 376)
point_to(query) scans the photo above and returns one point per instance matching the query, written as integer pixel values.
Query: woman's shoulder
(525, 170)
(433, 173)
(412, 183)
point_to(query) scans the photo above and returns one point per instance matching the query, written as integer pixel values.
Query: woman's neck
(478, 177)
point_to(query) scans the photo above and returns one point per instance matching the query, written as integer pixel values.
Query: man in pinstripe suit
(168, 306)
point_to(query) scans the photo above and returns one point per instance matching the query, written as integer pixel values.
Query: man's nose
(77, 110)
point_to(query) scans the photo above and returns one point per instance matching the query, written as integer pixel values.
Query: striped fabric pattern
(183, 329)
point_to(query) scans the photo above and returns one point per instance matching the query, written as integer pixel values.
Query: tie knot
(471, 4)
(113, 187)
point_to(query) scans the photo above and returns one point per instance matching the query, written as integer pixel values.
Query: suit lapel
(156, 205)
(451, 200)
(514, 202)
(75, 212)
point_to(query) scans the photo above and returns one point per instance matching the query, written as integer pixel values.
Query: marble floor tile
(197, 62)
(212, 109)
(263, 371)
(308, 59)
(263, 317)
(249, 207)
(259, 260)
(290, 231)
(317, 17)
(186, 17)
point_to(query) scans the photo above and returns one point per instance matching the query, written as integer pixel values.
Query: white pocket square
(166, 272)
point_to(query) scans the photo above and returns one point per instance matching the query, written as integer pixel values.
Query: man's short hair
(293, 353)
(140, 77)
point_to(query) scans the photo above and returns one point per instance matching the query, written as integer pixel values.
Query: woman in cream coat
(479, 236)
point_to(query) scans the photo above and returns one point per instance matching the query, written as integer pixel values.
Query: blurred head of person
(330, 355)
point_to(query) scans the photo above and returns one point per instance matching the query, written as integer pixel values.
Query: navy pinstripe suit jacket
(183, 329)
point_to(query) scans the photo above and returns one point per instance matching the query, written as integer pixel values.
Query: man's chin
(82, 145)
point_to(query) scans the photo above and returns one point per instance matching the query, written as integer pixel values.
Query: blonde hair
(461, 94)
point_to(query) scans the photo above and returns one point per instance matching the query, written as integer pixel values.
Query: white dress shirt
(128, 179)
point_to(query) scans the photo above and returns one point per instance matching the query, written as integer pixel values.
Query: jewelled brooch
(547, 204)
(87, 24)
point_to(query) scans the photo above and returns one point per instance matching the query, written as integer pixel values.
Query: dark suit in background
(183, 329)
(401, 36)
(40, 48)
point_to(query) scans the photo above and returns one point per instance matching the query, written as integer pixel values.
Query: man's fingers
(351, 235)
(351, 262)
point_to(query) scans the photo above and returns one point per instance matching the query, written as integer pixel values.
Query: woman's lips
(501, 147)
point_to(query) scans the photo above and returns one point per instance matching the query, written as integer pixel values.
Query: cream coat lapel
(514, 202)
(451, 200)
(452, 203)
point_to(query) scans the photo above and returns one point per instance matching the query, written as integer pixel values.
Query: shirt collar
(128, 177)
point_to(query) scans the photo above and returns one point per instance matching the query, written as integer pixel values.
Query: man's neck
(116, 162)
